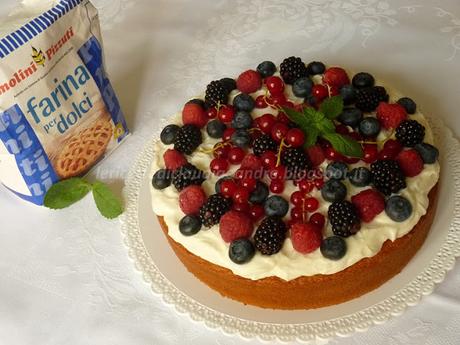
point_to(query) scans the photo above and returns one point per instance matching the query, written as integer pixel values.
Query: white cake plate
(167, 276)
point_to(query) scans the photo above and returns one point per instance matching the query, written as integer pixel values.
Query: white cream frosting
(289, 264)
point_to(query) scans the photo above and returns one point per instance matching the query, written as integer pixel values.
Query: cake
(296, 187)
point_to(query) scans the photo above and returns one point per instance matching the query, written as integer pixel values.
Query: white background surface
(65, 276)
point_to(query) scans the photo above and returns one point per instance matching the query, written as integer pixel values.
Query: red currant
(228, 134)
(333, 91)
(332, 154)
(211, 113)
(320, 92)
(266, 122)
(318, 219)
(269, 159)
(219, 166)
(306, 186)
(297, 198)
(228, 188)
(249, 183)
(282, 117)
(297, 213)
(311, 204)
(220, 151)
(341, 129)
(277, 100)
(279, 131)
(236, 155)
(390, 150)
(226, 113)
(260, 102)
(295, 137)
(275, 85)
(277, 186)
(277, 173)
(256, 212)
(370, 153)
(318, 183)
(241, 207)
(241, 195)
(240, 173)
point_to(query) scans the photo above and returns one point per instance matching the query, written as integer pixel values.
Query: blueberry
(302, 87)
(337, 170)
(229, 84)
(161, 179)
(315, 67)
(360, 177)
(219, 181)
(348, 94)
(241, 138)
(198, 101)
(168, 134)
(266, 69)
(259, 194)
(215, 129)
(244, 102)
(242, 120)
(398, 208)
(369, 127)
(408, 104)
(311, 100)
(362, 80)
(428, 152)
(333, 248)
(241, 251)
(334, 190)
(351, 117)
(276, 206)
(189, 225)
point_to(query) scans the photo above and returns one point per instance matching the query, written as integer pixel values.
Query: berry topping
(398, 208)
(336, 76)
(263, 144)
(215, 129)
(173, 159)
(315, 67)
(369, 127)
(305, 237)
(410, 162)
(216, 94)
(333, 190)
(428, 152)
(241, 251)
(333, 248)
(360, 177)
(344, 218)
(242, 120)
(302, 87)
(194, 114)
(336, 170)
(410, 133)
(367, 99)
(387, 176)
(244, 102)
(390, 115)
(213, 209)
(369, 203)
(168, 134)
(249, 81)
(234, 225)
(363, 79)
(276, 206)
(266, 69)
(188, 139)
(259, 194)
(408, 104)
(161, 179)
(292, 68)
(270, 235)
(189, 225)
(187, 175)
(350, 117)
(316, 155)
(191, 199)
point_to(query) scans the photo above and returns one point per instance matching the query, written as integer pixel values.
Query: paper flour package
(59, 115)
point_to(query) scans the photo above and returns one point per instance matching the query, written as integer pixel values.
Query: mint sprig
(319, 123)
(67, 192)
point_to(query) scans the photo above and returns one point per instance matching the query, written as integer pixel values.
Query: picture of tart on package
(59, 114)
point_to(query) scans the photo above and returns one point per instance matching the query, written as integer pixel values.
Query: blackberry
(216, 93)
(229, 84)
(296, 161)
(387, 176)
(367, 99)
(187, 175)
(410, 133)
(214, 208)
(264, 143)
(188, 138)
(344, 218)
(270, 235)
(292, 69)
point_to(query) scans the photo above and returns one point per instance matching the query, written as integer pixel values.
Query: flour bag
(59, 114)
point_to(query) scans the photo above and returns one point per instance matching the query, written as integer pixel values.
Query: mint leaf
(107, 203)
(66, 193)
(344, 145)
(300, 119)
(310, 137)
(332, 107)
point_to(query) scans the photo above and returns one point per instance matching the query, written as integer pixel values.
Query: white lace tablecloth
(65, 277)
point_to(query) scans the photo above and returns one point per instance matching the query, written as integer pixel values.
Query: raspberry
(369, 203)
(251, 162)
(336, 76)
(410, 162)
(316, 155)
(191, 199)
(305, 237)
(173, 159)
(235, 225)
(194, 114)
(249, 81)
(390, 115)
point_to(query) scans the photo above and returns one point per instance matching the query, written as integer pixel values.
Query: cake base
(314, 291)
